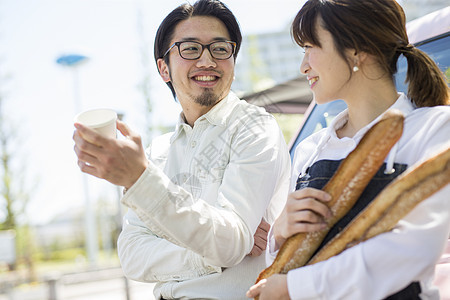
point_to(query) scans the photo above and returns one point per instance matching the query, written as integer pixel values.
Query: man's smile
(205, 78)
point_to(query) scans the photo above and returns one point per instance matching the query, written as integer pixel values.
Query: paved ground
(109, 289)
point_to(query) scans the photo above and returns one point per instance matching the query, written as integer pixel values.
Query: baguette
(345, 187)
(392, 204)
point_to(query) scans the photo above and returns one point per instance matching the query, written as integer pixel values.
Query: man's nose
(206, 60)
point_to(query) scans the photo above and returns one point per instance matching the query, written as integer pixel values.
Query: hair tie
(405, 49)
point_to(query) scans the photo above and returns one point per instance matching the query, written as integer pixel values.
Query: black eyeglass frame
(233, 45)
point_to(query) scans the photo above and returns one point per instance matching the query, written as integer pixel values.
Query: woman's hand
(274, 287)
(304, 211)
(120, 162)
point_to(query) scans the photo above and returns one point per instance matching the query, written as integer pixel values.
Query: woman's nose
(304, 67)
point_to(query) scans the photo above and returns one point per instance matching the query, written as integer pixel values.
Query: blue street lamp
(73, 61)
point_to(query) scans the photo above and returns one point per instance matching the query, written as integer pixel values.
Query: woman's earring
(355, 69)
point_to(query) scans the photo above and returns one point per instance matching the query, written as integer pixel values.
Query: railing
(54, 281)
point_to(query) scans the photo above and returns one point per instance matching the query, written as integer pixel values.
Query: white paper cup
(102, 120)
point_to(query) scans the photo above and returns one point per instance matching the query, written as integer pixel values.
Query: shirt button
(193, 144)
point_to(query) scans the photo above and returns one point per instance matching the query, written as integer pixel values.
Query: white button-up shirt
(195, 209)
(387, 263)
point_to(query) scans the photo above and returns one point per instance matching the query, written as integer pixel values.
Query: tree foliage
(13, 195)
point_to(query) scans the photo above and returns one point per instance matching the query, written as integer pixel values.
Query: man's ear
(163, 69)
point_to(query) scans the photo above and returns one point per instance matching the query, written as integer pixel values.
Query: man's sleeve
(149, 258)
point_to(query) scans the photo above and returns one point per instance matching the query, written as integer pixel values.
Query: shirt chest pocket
(213, 175)
(211, 168)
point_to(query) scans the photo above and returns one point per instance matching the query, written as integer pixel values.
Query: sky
(39, 95)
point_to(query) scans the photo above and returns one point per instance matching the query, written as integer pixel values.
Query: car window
(320, 117)
(437, 48)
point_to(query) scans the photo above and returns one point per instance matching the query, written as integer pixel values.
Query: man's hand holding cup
(119, 161)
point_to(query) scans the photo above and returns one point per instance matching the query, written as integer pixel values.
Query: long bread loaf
(392, 204)
(345, 187)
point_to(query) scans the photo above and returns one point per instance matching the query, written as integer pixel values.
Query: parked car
(430, 33)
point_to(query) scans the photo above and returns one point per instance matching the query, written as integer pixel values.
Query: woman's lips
(312, 81)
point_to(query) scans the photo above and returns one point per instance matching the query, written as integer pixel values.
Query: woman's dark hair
(211, 8)
(377, 28)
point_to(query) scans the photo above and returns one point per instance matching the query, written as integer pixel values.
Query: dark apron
(320, 173)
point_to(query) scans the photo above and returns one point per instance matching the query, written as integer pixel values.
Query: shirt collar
(179, 127)
(218, 115)
(402, 103)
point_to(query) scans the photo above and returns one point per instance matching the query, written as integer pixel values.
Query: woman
(351, 51)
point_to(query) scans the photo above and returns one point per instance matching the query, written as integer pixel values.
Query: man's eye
(220, 49)
(190, 49)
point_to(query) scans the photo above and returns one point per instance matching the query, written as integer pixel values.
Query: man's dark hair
(211, 8)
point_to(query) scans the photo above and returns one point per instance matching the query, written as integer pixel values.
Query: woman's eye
(306, 48)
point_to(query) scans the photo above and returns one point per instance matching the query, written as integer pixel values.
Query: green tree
(13, 192)
(14, 202)
(145, 82)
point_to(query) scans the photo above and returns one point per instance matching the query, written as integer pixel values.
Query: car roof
(430, 25)
(290, 97)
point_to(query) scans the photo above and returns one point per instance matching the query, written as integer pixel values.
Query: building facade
(265, 60)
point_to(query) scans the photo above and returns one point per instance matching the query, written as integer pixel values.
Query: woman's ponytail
(427, 84)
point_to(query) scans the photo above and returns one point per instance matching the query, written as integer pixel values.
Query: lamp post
(73, 61)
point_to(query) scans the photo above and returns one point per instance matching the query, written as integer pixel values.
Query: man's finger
(123, 128)
(264, 226)
(86, 168)
(260, 237)
(256, 251)
(89, 135)
(261, 241)
(84, 147)
(85, 156)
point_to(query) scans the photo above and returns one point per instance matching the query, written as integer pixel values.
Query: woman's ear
(163, 69)
(361, 57)
(356, 59)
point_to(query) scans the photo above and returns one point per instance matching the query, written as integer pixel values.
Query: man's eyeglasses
(193, 50)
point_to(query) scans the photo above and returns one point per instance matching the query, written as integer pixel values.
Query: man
(197, 199)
